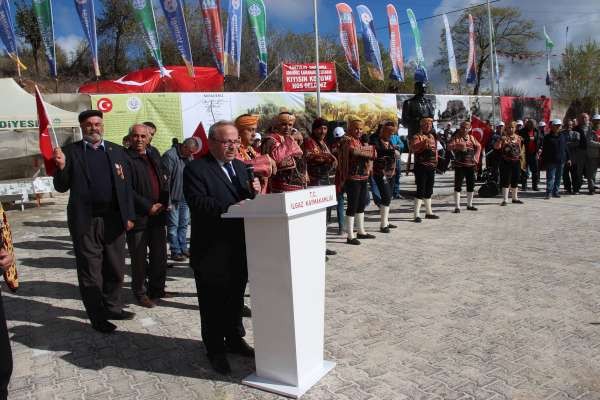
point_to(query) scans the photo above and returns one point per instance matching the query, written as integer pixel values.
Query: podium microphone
(250, 172)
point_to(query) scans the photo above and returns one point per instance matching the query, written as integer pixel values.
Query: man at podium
(218, 251)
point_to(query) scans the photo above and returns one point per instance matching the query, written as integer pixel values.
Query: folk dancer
(354, 167)
(511, 150)
(288, 156)
(467, 151)
(424, 146)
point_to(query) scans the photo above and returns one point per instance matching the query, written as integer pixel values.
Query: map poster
(123, 110)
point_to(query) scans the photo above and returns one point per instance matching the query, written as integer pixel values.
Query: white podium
(285, 242)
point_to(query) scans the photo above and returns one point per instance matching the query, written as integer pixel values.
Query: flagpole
(492, 62)
(317, 58)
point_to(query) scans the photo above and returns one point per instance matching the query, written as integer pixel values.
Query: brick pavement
(498, 304)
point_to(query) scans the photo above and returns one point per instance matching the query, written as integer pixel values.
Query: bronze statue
(415, 108)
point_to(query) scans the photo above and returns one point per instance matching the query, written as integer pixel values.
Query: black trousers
(460, 173)
(6, 361)
(509, 173)
(572, 177)
(385, 186)
(148, 277)
(100, 258)
(424, 179)
(532, 164)
(355, 192)
(221, 311)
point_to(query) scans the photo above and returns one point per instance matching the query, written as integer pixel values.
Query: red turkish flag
(481, 131)
(46, 147)
(148, 80)
(202, 140)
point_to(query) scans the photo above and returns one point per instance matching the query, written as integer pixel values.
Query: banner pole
(268, 76)
(316, 11)
(492, 74)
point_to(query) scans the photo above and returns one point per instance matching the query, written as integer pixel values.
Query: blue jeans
(340, 210)
(374, 191)
(553, 176)
(177, 226)
(396, 188)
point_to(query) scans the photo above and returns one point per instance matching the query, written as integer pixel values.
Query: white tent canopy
(18, 111)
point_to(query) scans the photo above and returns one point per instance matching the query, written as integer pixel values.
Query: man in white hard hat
(338, 134)
(555, 155)
(592, 146)
(542, 126)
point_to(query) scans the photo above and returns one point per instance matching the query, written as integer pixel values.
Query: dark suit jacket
(218, 248)
(76, 178)
(142, 189)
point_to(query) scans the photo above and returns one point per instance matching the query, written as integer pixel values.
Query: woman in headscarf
(264, 166)
(511, 150)
(423, 144)
(354, 167)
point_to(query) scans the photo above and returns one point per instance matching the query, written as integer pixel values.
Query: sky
(581, 16)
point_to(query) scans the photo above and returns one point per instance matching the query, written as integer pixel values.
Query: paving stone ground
(503, 303)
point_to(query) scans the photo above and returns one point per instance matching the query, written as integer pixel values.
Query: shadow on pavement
(43, 245)
(88, 349)
(49, 262)
(46, 224)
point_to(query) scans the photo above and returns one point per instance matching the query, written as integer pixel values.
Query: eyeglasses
(229, 143)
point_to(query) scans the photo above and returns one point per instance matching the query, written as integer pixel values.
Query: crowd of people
(132, 198)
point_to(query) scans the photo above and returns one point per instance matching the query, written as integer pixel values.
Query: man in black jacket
(151, 199)
(99, 212)
(532, 141)
(591, 144)
(555, 156)
(218, 250)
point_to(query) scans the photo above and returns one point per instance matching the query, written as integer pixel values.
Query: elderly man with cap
(99, 213)
(283, 148)
(263, 166)
(354, 167)
(555, 155)
(592, 145)
(573, 172)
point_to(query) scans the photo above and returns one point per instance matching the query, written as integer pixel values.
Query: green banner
(123, 110)
(421, 71)
(257, 18)
(144, 15)
(43, 15)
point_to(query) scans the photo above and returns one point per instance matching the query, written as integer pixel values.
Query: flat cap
(89, 113)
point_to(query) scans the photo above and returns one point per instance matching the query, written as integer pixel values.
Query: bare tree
(513, 35)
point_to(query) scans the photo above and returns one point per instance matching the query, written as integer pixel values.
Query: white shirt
(222, 165)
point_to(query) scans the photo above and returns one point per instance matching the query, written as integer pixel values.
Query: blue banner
(7, 30)
(87, 16)
(372, 52)
(173, 10)
(233, 38)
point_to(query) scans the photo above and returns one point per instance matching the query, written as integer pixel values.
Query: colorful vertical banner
(233, 38)
(349, 38)
(173, 10)
(257, 18)
(451, 57)
(397, 73)
(420, 71)
(211, 14)
(7, 32)
(372, 52)
(549, 47)
(43, 14)
(87, 16)
(471, 68)
(144, 15)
